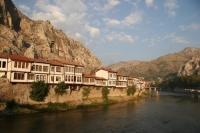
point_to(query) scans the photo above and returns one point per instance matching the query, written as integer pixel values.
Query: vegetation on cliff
(192, 82)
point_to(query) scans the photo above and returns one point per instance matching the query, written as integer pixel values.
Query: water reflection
(170, 112)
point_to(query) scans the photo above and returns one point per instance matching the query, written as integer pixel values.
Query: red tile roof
(89, 76)
(120, 74)
(19, 58)
(55, 63)
(40, 61)
(100, 78)
(109, 70)
(3, 56)
(68, 63)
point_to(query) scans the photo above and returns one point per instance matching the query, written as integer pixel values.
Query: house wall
(102, 73)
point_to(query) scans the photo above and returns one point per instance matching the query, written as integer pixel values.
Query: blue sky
(122, 30)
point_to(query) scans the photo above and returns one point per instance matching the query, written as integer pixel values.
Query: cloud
(24, 8)
(111, 22)
(170, 6)
(133, 18)
(94, 32)
(177, 39)
(111, 4)
(194, 27)
(149, 2)
(121, 37)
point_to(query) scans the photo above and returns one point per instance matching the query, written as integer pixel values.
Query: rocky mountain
(164, 66)
(192, 67)
(39, 39)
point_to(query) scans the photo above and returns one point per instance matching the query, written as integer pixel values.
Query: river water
(168, 113)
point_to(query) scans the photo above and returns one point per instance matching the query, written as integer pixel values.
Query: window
(52, 68)
(26, 64)
(52, 78)
(58, 78)
(66, 69)
(15, 64)
(58, 69)
(19, 76)
(0, 64)
(33, 68)
(37, 77)
(110, 75)
(4, 64)
(37, 68)
(19, 64)
(68, 78)
(40, 68)
(23, 64)
(72, 78)
(109, 82)
(45, 68)
(92, 80)
(30, 76)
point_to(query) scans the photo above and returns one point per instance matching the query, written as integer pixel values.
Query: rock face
(39, 39)
(192, 67)
(163, 67)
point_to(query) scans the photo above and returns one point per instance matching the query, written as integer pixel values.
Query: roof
(108, 69)
(40, 61)
(55, 63)
(89, 76)
(19, 58)
(3, 56)
(120, 74)
(100, 78)
(68, 63)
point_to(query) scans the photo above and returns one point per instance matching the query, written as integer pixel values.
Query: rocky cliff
(39, 39)
(192, 67)
(164, 66)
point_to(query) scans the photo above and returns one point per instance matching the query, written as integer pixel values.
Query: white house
(109, 75)
(56, 72)
(89, 79)
(121, 80)
(18, 68)
(39, 70)
(3, 65)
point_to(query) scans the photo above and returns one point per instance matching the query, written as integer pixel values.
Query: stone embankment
(20, 93)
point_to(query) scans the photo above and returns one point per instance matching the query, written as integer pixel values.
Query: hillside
(164, 66)
(39, 39)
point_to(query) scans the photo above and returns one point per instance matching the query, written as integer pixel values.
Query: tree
(131, 90)
(61, 88)
(85, 92)
(39, 91)
(105, 91)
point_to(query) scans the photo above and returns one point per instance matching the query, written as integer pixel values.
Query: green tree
(61, 88)
(39, 91)
(131, 90)
(85, 92)
(105, 91)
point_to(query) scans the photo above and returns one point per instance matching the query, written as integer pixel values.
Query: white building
(121, 80)
(18, 68)
(3, 65)
(109, 75)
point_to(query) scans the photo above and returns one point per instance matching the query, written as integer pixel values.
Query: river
(168, 113)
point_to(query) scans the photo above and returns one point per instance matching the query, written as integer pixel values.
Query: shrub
(61, 88)
(86, 92)
(131, 90)
(39, 91)
(105, 91)
(11, 104)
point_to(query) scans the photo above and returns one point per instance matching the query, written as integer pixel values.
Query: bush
(11, 104)
(61, 88)
(39, 91)
(105, 91)
(86, 92)
(131, 90)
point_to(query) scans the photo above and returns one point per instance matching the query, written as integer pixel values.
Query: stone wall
(20, 93)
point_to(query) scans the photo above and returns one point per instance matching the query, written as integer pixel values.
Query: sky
(122, 30)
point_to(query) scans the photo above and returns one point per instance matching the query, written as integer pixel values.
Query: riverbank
(14, 108)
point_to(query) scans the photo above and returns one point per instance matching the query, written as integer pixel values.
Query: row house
(18, 68)
(93, 80)
(130, 81)
(3, 65)
(109, 75)
(121, 80)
